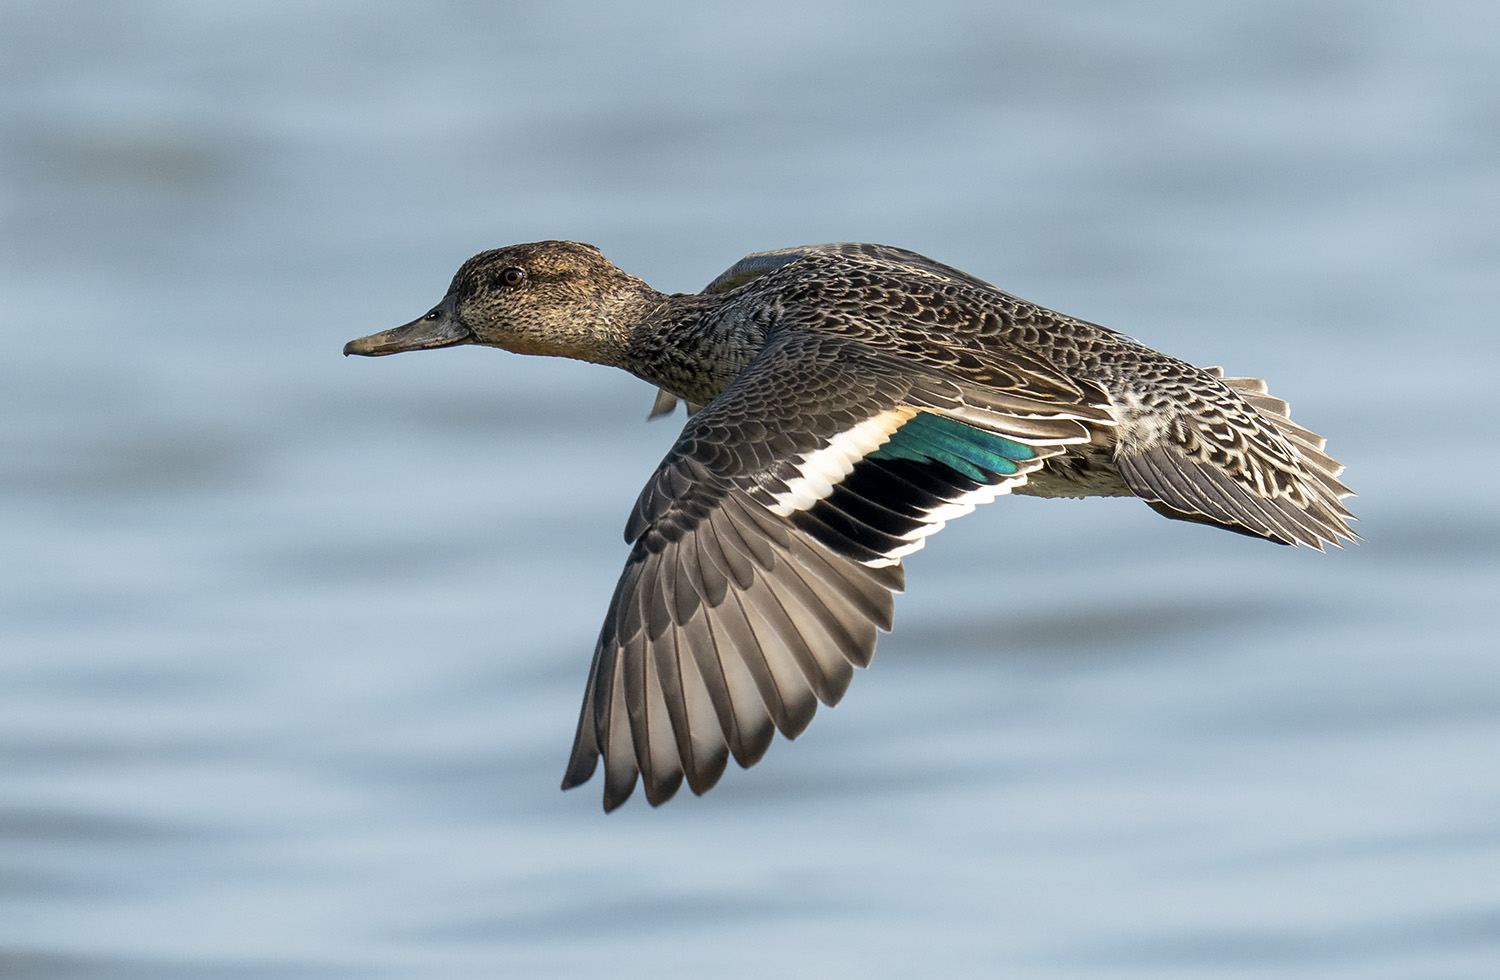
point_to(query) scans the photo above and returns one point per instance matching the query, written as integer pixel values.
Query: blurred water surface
(291, 646)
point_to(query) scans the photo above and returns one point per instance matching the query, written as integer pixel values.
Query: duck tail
(1242, 464)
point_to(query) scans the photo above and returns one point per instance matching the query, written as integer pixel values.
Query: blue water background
(291, 646)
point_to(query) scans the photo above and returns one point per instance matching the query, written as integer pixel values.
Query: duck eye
(512, 276)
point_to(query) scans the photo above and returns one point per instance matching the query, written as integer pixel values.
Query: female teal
(845, 402)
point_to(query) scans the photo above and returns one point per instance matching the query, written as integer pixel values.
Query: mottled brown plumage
(853, 399)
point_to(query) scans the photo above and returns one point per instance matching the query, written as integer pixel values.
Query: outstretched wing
(768, 544)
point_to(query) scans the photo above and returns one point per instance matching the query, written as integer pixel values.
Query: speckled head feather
(851, 400)
(555, 298)
(561, 299)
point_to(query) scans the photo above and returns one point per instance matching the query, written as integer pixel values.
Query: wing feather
(738, 613)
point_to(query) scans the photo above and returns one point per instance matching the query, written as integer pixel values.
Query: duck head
(563, 299)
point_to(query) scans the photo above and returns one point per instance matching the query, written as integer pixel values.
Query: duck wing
(757, 264)
(768, 544)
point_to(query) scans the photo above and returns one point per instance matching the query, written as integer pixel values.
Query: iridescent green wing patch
(975, 453)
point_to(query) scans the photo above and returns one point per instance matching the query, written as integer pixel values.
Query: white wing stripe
(821, 470)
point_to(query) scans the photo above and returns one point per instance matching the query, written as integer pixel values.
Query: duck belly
(1086, 470)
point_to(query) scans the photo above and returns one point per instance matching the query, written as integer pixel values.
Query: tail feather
(1272, 480)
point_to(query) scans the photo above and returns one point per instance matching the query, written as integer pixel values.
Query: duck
(845, 402)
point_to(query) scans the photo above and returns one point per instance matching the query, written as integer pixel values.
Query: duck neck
(692, 345)
(606, 332)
